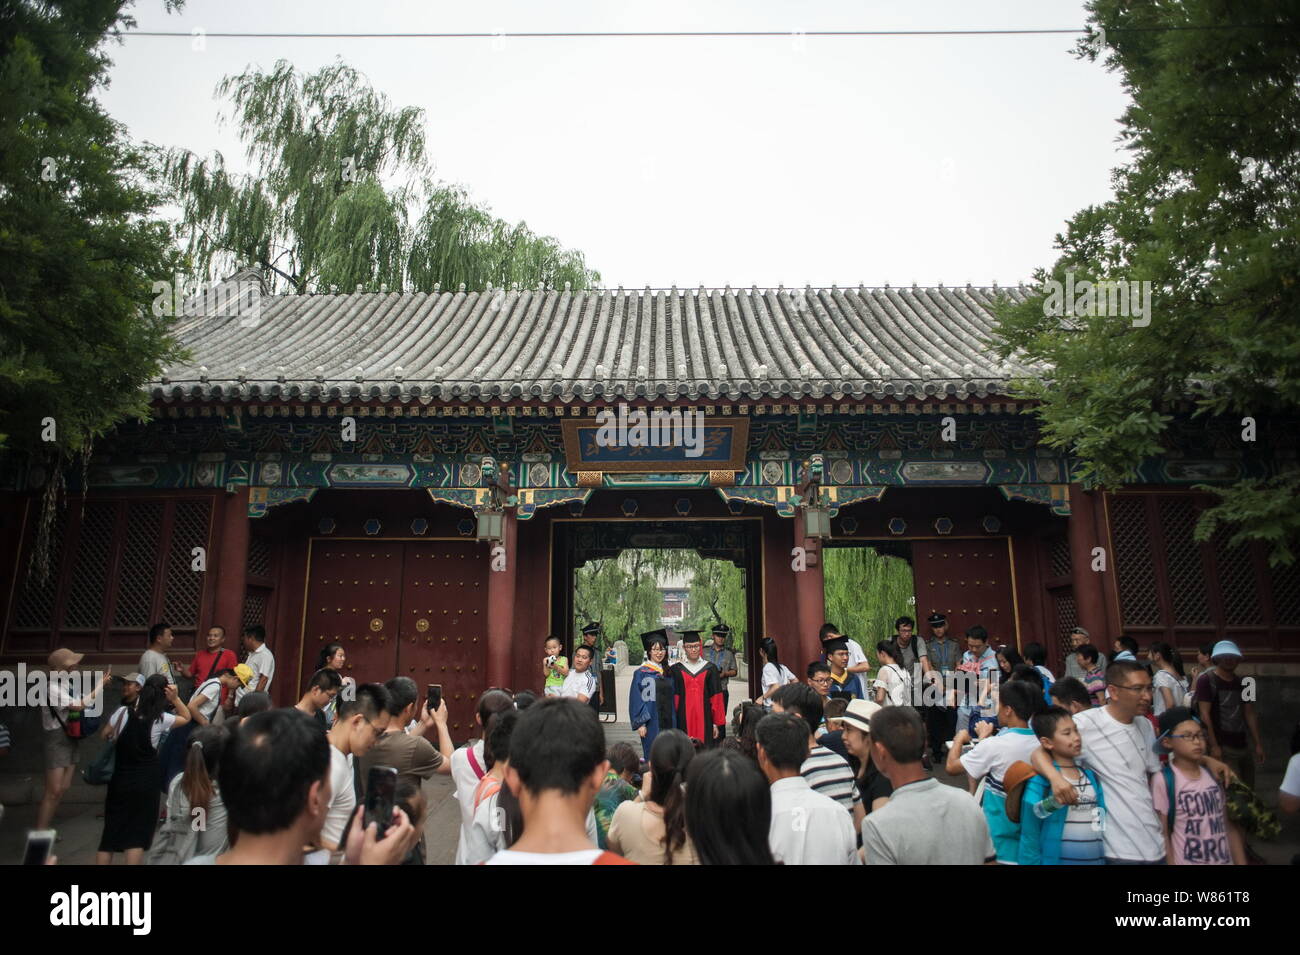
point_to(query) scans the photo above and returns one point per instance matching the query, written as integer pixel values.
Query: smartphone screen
(435, 696)
(381, 791)
(40, 843)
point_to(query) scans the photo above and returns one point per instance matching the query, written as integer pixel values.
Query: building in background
(336, 463)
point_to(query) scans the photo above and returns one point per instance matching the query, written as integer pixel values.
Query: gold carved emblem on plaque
(377, 624)
(422, 625)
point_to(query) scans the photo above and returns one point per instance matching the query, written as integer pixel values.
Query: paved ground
(80, 818)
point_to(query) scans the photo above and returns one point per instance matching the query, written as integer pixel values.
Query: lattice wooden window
(184, 585)
(254, 608)
(1067, 616)
(85, 605)
(1286, 595)
(1237, 582)
(36, 605)
(1132, 560)
(1058, 552)
(259, 556)
(136, 581)
(1185, 567)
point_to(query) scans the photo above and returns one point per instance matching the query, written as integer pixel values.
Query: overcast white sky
(705, 160)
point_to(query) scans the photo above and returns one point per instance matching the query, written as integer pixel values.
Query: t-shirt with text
(1200, 832)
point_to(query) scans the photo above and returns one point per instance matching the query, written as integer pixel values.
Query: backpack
(78, 725)
(1168, 773)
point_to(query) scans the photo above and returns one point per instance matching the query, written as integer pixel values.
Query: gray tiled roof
(599, 344)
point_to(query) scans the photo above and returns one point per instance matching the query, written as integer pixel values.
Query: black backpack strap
(56, 715)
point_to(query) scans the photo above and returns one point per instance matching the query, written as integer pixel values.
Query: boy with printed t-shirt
(992, 756)
(554, 667)
(1197, 830)
(1052, 833)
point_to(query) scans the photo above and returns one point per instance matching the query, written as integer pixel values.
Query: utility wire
(531, 35)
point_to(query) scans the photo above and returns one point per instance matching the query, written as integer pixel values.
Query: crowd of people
(1112, 761)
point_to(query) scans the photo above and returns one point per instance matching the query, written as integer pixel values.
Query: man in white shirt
(1118, 745)
(358, 723)
(557, 765)
(807, 827)
(260, 661)
(154, 660)
(580, 684)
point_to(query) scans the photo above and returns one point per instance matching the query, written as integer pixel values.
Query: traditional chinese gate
(401, 608)
(739, 540)
(969, 581)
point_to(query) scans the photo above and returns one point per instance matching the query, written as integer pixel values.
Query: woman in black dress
(131, 807)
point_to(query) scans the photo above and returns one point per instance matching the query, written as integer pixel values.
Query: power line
(679, 34)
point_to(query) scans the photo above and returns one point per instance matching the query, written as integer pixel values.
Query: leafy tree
(79, 243)
(1206, 209)
(340, 195)
(866, 591)
(623, 593)
(718, 596)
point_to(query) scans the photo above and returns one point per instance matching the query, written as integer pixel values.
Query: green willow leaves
(340, 194)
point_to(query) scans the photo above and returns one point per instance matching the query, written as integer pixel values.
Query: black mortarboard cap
(689, 636)
(836, 643)
(654, 636)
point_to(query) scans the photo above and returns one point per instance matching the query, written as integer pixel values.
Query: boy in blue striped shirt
(1052, 834)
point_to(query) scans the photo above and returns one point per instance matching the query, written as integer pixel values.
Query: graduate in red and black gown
(697, 693)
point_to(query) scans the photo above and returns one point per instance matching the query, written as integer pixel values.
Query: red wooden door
(403, 608)
(443, 631)
(354, 593)
(969, 581)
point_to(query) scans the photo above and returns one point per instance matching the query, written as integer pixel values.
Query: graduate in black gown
(650, 697)
(697, 693)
